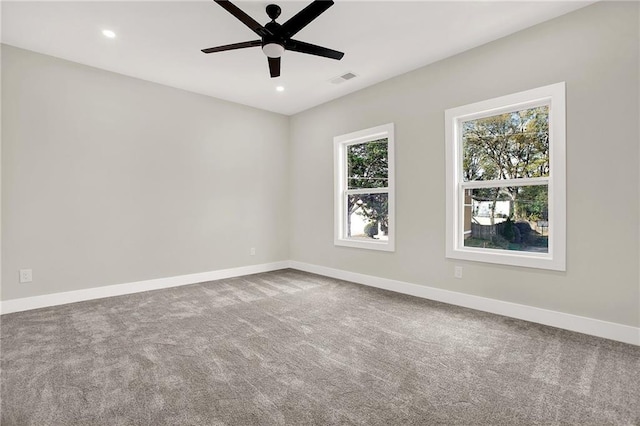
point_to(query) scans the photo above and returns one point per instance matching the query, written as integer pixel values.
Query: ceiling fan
(276, 38)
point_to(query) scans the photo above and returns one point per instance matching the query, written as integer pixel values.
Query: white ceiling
(161, 41)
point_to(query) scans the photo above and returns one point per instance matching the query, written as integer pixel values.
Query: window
(506, 179)
(364, 189)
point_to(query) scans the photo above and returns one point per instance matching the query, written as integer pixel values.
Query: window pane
(509, 218)
(368, 216)
(507, 146)
(367, 165)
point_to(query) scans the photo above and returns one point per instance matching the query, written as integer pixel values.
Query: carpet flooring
(288, 347)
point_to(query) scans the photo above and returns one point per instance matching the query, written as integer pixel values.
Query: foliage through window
(364, 190)
(505, 200)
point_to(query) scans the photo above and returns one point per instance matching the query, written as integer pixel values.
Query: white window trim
(552, 95)
(340, 175)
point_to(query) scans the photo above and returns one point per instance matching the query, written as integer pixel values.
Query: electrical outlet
(457, 272)
(252, 252)
(26, 275)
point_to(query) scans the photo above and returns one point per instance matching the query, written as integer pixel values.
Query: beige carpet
(294, 348)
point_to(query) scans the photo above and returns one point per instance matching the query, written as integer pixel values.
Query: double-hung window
(506, 179)
(364, 189)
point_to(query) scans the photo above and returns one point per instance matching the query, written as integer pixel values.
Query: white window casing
(552, 96)
(341, 190)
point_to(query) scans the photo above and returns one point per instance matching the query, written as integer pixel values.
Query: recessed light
(280, 88)
(109, 33)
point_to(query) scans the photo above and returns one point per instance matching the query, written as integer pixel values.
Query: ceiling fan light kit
(276, 38)
(273, 50)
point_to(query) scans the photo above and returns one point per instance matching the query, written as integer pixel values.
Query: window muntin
(364, 189)
(506, 180)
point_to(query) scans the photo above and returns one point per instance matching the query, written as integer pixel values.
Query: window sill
(363, 244)
(509, 258)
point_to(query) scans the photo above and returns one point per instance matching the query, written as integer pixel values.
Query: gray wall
(595, 50)
(108, 179)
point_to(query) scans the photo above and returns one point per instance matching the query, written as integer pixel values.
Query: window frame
(554, 97)
(340, 144)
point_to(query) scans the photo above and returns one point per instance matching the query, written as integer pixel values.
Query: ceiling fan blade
(244, 18)
(274, 67)
(312, 49)
(233, 46)
(305, 16)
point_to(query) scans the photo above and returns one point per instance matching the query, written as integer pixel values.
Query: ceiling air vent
(343, 78)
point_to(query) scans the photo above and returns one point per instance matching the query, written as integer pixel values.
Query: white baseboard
(27, 303)
(594, 327)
